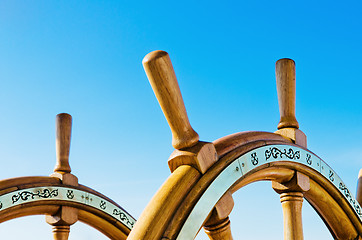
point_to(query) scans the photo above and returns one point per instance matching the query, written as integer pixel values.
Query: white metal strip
(209, 199)
(65, 194)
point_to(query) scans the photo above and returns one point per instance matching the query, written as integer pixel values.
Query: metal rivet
(237, 168)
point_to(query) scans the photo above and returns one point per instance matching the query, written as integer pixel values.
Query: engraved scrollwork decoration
(25, 195)
(103, 205)
(254, 159)
(122, 216)
(348, 195)
(308, 158)
(330, 175)
(70, 194)
(276, 152)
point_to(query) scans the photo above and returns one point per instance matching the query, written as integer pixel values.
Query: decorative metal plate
(65, 194)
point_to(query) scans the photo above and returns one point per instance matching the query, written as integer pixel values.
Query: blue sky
(84, 58)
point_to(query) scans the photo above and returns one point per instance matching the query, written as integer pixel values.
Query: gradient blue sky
(84, 58)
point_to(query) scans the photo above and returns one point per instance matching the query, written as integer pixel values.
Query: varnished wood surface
(342, 222)
(160, 210)
(297, 136)
(163, 80)
(61, 232)
(359, 187)
(285, 76)
(292, 214)
(113, 230)
(228, 143)
(63, 135)
(221, 210)
(221, 231)
(201, 156)
(14, 184)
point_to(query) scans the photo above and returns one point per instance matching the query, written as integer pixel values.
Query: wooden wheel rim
(48, 196)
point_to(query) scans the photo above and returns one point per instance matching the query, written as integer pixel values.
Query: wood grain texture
(66, 216)
(228, 143)
(299, 183)
(61, 232)
(285, 76)
(337, 215)
(160, 210)
(14, 184)
(113, 230)
(163, 80)
(221, 231)
(217, 225)
(359, 188)
(292, 215)
(201, 156)
(296, 135)
(63, 135)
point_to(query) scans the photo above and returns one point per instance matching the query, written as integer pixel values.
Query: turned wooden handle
(163, 80)
(63, 134)
(285, 75)
(61, 232)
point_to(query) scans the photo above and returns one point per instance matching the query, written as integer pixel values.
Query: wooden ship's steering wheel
(198, 193)
(206, 174)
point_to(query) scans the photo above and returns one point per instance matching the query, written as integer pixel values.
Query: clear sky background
(84, 58)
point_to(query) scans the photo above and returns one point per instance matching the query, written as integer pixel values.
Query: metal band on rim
(249, 161)
(46, 193)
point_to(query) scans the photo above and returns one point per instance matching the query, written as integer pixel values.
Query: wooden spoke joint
(200, 156)
(296, 135)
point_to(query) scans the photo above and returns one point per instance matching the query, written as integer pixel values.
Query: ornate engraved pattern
(276, 152)
(55, 193)
(25, 195)
(103, 205)
(254, 159)
(308, 158)
(70, 194)
(122, 216)
(349, 197)
(330, 175)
